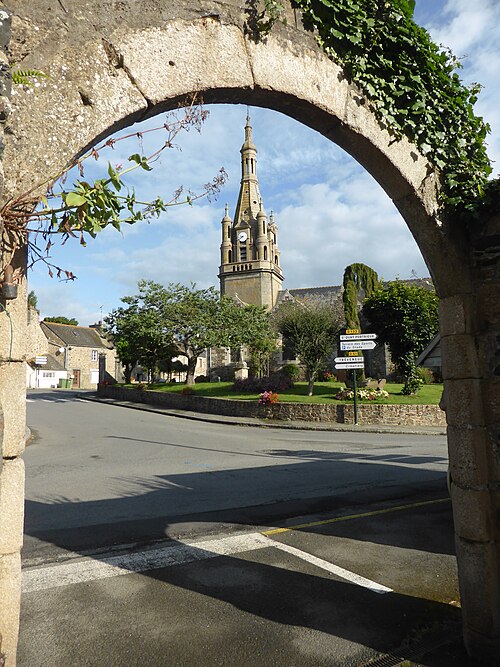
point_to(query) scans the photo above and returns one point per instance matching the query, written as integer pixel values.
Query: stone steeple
(250, 258)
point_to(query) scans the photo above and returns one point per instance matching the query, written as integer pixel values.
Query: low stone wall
(393, 415)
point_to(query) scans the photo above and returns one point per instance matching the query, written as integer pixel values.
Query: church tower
(250, 259)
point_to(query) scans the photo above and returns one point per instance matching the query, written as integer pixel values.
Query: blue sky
(329, 211)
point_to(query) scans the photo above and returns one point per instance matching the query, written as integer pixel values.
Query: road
(189, 512)
(114, 474)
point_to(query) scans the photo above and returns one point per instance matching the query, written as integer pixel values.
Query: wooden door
(76, 378)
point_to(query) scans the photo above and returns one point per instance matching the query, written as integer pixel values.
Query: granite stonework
(393, 415)
(110, 68)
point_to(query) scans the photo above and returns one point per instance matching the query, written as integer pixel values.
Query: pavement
(435, 643)
(268, 423)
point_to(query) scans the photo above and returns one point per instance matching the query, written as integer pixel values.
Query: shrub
(201, 378)
(275, 382)
(291, 371)
(187, 391)
(325, 376)
(362, 394)
(426, 375)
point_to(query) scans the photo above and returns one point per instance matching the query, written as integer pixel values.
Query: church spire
(249, 252)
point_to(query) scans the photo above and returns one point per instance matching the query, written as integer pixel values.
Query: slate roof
(75, 336)
(51, 365)
(332, 294)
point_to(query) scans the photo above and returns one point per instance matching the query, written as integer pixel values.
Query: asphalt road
(98, 475)
(157, 541)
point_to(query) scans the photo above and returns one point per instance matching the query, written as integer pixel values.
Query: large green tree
(406, 318)
(359, 282)
(311, 331)
(185, 321)
(138, 336)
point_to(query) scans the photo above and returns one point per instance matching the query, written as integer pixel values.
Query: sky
(330, 212)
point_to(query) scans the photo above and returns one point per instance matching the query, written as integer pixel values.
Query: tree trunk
(310, 385)
(191, 367)
(127, 372)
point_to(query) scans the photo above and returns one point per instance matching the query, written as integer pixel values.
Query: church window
(276, 259)
(265, 252)
(243, 253)
(230, 256)
(264, 227)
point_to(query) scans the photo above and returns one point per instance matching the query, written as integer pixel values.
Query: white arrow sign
(357, 345)
(342, 367)
(347, 360)
(40, 361)
(361, 336)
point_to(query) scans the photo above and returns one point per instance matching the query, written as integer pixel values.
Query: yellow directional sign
(352, 331)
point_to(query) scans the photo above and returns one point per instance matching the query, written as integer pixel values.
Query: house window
(95, 355)
(48, 374)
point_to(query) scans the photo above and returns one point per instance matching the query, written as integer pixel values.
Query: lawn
(324, 392)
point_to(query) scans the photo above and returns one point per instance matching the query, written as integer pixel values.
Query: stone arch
(109, 69)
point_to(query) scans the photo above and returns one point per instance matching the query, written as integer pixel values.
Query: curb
(262, 423)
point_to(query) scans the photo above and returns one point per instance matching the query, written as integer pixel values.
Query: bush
(187, 391)
(362, 394)
(275, 382)
(325, 376)
(426, 375)
(291, 371)
(201, 378)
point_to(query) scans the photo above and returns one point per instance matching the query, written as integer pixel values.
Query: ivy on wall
(413, 88)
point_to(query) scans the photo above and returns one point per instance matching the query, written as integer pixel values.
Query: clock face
(242, 236)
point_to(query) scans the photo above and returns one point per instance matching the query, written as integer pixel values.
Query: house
(431, 357)
(62, 352)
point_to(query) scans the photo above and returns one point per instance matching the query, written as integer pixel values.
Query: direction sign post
(353, 339)
(357, 345)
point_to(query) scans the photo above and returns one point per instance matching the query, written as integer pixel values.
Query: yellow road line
(349, 517)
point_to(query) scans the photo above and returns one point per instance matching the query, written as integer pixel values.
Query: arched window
(265, 252)
(276, 259)
(230, 256)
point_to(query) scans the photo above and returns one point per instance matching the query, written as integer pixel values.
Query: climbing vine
(83, 208)
(412, 86)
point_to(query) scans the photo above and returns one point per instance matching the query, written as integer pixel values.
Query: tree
(183, 321)
(311, 330)
(406, 318)
(32, 300)
(139, 337)
(60, 319)
(359, 282)
(257, 333)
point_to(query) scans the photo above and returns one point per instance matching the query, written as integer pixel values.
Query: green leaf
(73, 199)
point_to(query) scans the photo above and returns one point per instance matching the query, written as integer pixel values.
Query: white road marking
(334, 569)
(38, 579)
(90, 569)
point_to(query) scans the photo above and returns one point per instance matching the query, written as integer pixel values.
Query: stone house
(80, 354)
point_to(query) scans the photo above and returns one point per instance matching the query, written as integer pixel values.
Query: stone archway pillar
(12, 413)
(470, 330)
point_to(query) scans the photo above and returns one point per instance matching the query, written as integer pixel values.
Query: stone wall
(394, 415)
